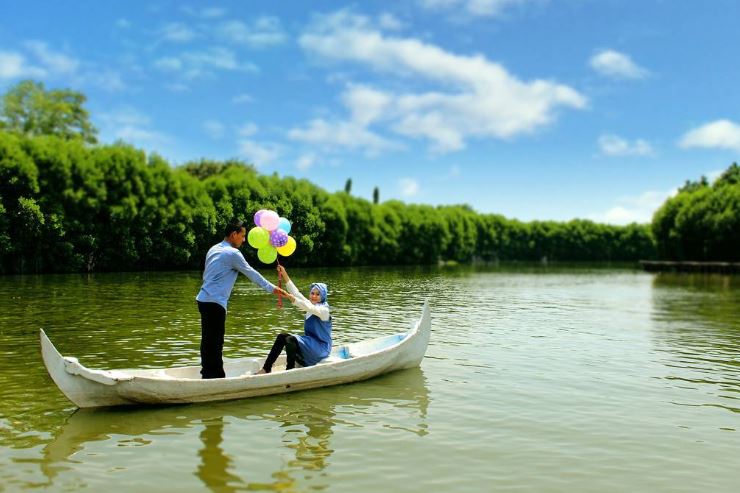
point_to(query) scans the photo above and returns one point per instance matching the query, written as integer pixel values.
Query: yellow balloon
(288, 249)
(267, 254)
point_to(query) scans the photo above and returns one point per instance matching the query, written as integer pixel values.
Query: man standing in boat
(224, 261)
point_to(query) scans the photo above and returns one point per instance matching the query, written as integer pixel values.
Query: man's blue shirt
(223, 264)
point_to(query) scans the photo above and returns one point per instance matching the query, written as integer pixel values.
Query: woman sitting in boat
(315, 343)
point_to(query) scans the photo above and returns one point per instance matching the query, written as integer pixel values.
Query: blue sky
(535, 109)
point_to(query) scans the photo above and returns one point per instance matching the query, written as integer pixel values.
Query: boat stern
(81, 390)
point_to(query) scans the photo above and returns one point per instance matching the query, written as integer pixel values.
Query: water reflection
(306, 422)
(697, 335)
(214, 465)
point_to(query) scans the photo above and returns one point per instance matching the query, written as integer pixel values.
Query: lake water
(536, 379)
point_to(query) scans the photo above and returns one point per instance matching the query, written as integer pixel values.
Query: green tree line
(702, 221)
(67, 204)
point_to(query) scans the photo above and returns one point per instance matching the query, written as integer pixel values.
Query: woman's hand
(282, 273)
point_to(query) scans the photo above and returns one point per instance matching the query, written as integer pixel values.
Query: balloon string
(280, 285)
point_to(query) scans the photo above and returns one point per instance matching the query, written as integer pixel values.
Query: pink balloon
(269, 220)
(257, 216)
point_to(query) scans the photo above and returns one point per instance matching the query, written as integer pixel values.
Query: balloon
(257, 216)
(284, 224)
(270, 236)
(258, 237)
(289, 247)
(267, 254)
(278, 238)
(269, 220)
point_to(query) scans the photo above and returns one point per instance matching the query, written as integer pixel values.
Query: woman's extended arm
(321, 311)
(289, 284)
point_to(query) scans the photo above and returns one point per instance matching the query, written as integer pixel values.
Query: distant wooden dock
(701, 267)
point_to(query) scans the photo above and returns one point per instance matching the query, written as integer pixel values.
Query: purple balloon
(257, 216)
(278, 238)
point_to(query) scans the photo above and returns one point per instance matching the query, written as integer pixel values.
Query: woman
(315, 343)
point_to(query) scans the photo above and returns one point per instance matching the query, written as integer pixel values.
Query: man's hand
(284, 294)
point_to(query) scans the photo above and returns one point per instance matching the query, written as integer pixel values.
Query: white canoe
(347, 363)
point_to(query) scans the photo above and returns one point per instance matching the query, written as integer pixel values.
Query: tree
(29, 109)
(67, 206)
(730, 176)
(348, 186)
(701, 222)
(376, 195)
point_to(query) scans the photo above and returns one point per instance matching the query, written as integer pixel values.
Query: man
(223, 263)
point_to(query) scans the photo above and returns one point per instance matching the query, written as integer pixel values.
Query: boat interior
(249, 366)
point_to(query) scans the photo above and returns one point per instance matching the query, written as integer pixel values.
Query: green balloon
(267, 254)
(258, 237)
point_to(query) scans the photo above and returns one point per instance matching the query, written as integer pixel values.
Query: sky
(534, 109)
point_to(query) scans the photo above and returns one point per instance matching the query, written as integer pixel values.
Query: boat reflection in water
(306, 423)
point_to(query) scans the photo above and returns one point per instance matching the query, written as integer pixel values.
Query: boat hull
(100, 388)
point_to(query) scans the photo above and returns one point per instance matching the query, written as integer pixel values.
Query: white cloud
(638, 209)
(51, 63)
(14, 66)
(433, 126)
(177, 87)
(263, 31)
(408, 187)
(614, 145)
(55, 62)
(341, 134)
(719, 134)
(212, 12)
(214, 129)
(479, 98)
(168, 64)
(177, 32)
(242, 99)
(205, 13)
(305, 161)
(141, 136)
(389, 21)
(258, 154)
(123, 23)
(108, 80)
(714, 174)
(247, 130)
(365, 103)
(482, 8)
(195, 64)
(132, 126)
(614, 64)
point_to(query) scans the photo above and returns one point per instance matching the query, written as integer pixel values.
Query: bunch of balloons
(270, 236)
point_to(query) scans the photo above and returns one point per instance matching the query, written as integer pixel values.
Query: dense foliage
(28, 108)
(702, 221)
(68, 206)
